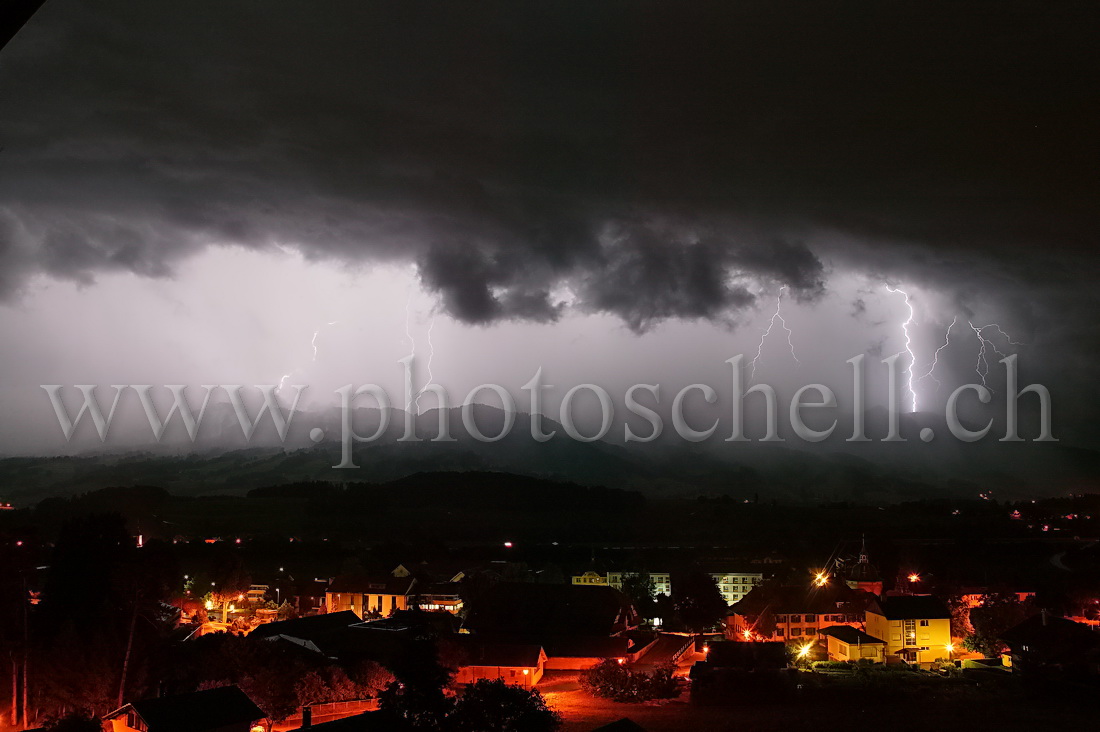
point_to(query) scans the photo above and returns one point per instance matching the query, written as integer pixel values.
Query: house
(318, 633)
(916, 628)
(439, 596)
(370, 595)
(575, 652)
(1048, 644)
(764, 656)
(795, 613)
(521, 664)
(662, 581)
(256, 595)
(733, 582)
(225, 709)
(845, 643)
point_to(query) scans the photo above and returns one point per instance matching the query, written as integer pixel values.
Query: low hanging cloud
(665, 162)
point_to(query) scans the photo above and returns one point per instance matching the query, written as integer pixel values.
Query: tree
(641, 591)
(226, 581)
(998, 612)
(697, 600)
(609, 679)
(494, 706)
(415, 698)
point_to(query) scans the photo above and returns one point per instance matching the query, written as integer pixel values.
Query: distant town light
(914, 577)
(507, 545)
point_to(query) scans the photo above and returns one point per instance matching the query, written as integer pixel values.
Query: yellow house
(590, 578)
(916, 628)
(845, 643)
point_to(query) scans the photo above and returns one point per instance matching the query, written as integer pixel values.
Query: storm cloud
(650, 160)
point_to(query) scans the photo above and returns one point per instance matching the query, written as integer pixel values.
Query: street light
(804, 650)
(525, 672)
(821, 579)
(950, 648)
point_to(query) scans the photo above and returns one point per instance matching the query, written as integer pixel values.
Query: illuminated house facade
(795, 613)
(366, 596)
(734, 584)
(845, 643)
(519, 664)
(916, 628)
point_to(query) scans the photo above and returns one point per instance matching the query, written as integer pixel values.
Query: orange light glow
(914, 577)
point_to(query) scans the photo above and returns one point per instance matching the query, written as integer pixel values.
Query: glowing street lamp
(914, 577)
(821, 579)
(525, 672)
(950, 648)
(805, 650)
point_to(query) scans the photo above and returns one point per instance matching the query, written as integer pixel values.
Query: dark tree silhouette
(494, 706)
(698, 602)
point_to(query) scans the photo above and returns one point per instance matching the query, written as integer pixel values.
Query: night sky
(618, 192)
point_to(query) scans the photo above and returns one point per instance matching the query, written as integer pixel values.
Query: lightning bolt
(981, 365)
(908, 345)
(936, 355)
(431, 353)
(768, 330)
(317, 333)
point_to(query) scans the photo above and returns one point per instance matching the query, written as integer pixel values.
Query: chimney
(307, 717)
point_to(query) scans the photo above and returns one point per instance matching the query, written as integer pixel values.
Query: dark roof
(382, 584)
(621, 725)
(1051, 633)
(476, 652)
(311, 627)
(803, 598)
(551, 609)
(749, 656)
(912, 607)
(197, 712)
(851, 636)
(863, 572)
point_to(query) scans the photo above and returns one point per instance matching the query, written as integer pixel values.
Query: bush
(833, 665)
(611, 680)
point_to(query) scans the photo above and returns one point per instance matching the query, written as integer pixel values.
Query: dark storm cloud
(657, 160)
